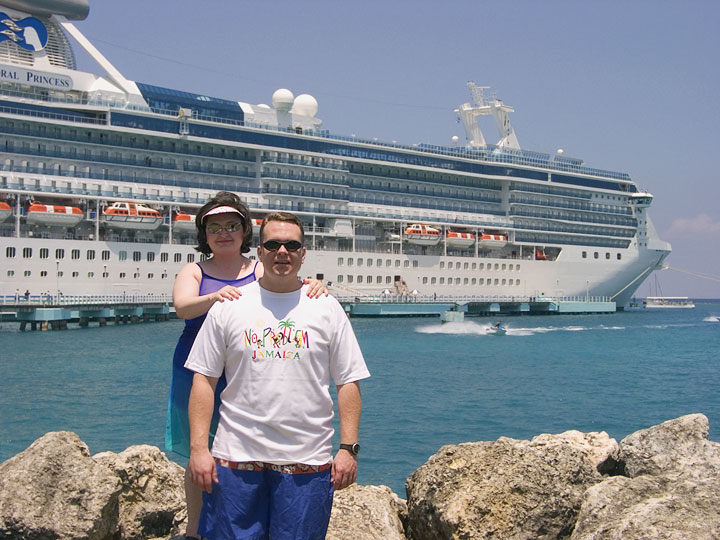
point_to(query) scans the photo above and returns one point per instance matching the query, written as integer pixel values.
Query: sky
(628, 86)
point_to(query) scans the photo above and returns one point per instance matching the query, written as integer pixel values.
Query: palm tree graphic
(286, 325)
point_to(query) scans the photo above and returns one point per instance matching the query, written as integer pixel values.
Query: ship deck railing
(464, 299)
(59, 300)
(488, 153)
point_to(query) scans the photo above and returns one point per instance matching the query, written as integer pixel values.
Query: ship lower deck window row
(359, 279)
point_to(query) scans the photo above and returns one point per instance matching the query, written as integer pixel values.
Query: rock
(505, 489)
(671, 491)
(680, 445)
(367, 513)
(55, 490)
(152, 501)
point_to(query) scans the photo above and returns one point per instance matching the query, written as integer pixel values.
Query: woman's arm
(186, 293)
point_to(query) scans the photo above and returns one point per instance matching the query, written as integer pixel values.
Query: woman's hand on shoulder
(316, 288)
(228, 292)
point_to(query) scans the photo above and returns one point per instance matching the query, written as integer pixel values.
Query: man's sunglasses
(274, 245)
(216, 228)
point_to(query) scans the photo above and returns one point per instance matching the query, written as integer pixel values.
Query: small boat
(53, 214)
(459, 239)
(422, 235)
(665, 302)
(497, 329)
(5, 211)
(130, 215)
(492, 240)
(184, 222)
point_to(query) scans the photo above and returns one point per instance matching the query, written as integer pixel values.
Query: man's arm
(344, 468)
(200, 409)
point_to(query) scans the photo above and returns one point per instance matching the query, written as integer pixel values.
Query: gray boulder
(671, 491)
(152, 500)
(508, 489)
(55, 490)
(367, 513)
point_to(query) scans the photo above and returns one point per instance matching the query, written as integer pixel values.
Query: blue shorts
(267, 503)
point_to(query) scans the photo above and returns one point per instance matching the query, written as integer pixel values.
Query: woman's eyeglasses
(274, 245)
(216, 228)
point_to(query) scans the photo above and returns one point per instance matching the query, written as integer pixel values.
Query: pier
(54, 312)
(456, 308)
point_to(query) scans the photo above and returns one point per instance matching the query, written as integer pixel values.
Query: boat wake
(484, 329)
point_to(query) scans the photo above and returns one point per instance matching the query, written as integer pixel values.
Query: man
(271, 473)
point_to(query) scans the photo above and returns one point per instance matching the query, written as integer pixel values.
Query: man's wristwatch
(354, 449)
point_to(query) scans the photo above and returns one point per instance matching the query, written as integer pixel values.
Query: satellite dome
(283, 99)
(560, 152)
(305, 105)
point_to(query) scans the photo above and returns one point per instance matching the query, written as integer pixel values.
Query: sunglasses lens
(274, 245)
(213, 228)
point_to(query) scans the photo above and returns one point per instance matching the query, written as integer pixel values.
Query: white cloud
(700, 224)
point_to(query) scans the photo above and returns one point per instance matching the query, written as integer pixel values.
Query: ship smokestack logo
(29, 33)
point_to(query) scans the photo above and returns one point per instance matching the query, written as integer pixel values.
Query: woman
(224, 232)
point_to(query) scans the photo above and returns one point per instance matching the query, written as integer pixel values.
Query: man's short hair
(286, 217)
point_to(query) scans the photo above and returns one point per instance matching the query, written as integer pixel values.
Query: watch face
(356, 449)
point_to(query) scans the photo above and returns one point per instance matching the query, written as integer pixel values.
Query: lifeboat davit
(492, 240)
(184, 222)
(459, 239)
(422, 235)
(53, 214)
(5, 211)
(129, 215)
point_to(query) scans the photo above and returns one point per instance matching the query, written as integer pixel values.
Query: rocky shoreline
(660, 482)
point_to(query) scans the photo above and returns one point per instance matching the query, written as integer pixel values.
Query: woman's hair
(223, 198)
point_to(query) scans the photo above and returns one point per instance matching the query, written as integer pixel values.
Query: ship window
(378, 262)
(442, 264)
(517, 282)
(415, 264)
(151, 276)
(406, 264)
(368, 279)
(59, 253)
(349, 279)
(497, 266)
(137, 256)
(91, 274)
(122, 275)
(369, 262)
(164, 257)
(473, 281)
(106, 255)
(122, 255)
(504, 281)
(360, 262)
(457, 281)
(481, 266)
(387, 262)
(465, 281)
(596, 255)
(397, 263)
(76, 274)
(350, 261)
(340, 261)
(75, 254)
(442, 281)
(90, 254)
(503, 266)
(388, 279)
(474, 266)
(10, 252)
(106, 274)
(432, 281)
(607, 254)
(136, 275)
(43, 273)
(359, 279)
(619, 256)
(178, 257)
(450, 265)
(496, 281)
(340, 278)
(191, 257)
(466, 266)
(378, 279)
(481, 281)
(150, 256)
(425, 280)
(27, 252)
(27, 273)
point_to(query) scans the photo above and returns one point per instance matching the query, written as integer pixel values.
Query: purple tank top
(210, 284)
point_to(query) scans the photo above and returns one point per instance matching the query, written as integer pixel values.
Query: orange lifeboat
(130, 215)
(459, 239)
(5, 211)
(540, 255)
(256, 224)
(492, 240)
(53, 214)
(184, 222)
(422, 235)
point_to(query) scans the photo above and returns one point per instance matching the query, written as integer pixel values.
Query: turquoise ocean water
(432, 384)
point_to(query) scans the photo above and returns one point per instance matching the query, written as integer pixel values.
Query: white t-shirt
(279, 352)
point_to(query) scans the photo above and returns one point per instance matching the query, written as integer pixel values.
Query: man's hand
(203, 471)
(344, 470)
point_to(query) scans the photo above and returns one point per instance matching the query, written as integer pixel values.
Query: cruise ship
(102, 177)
